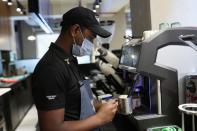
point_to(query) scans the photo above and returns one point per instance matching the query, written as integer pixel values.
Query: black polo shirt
(55, 83)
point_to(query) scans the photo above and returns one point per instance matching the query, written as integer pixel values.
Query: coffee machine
(154, 61)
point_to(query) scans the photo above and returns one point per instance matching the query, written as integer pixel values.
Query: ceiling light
(97, 6)
(4, 0)
(31, 37)
(94, 9)
(21, 12)
(10, 2)
(18, 9)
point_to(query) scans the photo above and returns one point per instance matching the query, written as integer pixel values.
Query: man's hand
(107, 111)
(97, 104)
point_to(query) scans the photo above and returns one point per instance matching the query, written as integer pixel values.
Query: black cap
(84, 17)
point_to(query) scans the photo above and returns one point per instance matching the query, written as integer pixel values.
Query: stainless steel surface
(159, 104)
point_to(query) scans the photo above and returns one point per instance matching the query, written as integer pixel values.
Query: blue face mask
(86, 47)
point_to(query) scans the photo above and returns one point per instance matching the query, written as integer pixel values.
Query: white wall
(43, 42)
(120, 27)
(183, 11)
(184, 60)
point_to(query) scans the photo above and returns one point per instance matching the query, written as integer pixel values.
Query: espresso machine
(165, 92)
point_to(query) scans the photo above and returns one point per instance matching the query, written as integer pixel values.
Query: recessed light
(97, 6)
(10, 2)
(18, 9)
(31, 38)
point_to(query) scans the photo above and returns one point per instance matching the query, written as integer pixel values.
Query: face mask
(86, 47)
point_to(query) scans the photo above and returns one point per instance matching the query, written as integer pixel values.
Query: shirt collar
(68, 57)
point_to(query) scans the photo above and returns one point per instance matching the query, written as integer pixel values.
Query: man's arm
(53, 120)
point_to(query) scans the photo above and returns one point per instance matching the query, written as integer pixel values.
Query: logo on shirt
(52, 97)
(67, 61)
(97, 18)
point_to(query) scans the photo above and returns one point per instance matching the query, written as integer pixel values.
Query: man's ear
(74, 30)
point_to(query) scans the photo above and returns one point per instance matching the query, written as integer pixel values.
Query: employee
(63, 100)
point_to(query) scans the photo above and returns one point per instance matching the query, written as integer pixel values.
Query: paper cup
(125, 104)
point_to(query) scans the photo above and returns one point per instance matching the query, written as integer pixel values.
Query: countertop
(7, 86)
(4, 90)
